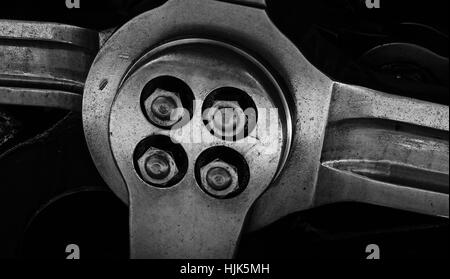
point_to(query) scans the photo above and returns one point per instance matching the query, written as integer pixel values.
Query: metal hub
(316, 155)
(239, 174)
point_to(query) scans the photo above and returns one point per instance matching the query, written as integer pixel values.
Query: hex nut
(170, 109)
(231, 187)
(164, 158)
(230, 108)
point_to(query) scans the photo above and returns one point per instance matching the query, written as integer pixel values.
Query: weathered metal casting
(44, 64)
(336, 143)
(205, 66)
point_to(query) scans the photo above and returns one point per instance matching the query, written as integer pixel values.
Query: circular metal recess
(205, 66)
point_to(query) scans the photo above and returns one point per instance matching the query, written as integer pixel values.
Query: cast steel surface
(337, 143)
(44, 64)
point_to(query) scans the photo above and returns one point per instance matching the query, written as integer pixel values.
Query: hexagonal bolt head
(164, 108)
(226, 119)
(157, 167)
(219, 178)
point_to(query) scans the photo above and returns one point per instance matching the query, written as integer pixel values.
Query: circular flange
(307, 90)
(205, 66)
(191, 210)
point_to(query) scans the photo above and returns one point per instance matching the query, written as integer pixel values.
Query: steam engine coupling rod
(193, 116)
(44, 64)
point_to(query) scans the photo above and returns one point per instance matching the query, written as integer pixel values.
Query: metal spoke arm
(183, 224)
(355, 102)
(335, 185)
(385, 150)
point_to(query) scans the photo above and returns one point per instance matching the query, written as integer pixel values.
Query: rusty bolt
(157, 167)
(219, 178)
(226, 119)
(164, 108)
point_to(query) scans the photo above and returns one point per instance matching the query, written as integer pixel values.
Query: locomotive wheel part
(172, 215)
(44, 64)
(311, 169)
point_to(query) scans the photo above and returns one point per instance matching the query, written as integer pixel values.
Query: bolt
(226, 119)
(157, 167)
(219, 178)
(164, 108)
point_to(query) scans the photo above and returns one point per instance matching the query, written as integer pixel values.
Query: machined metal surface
(44, 64)
(337, 142)
(188, 217)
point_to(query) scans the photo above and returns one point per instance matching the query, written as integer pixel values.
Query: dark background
(71, 204)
